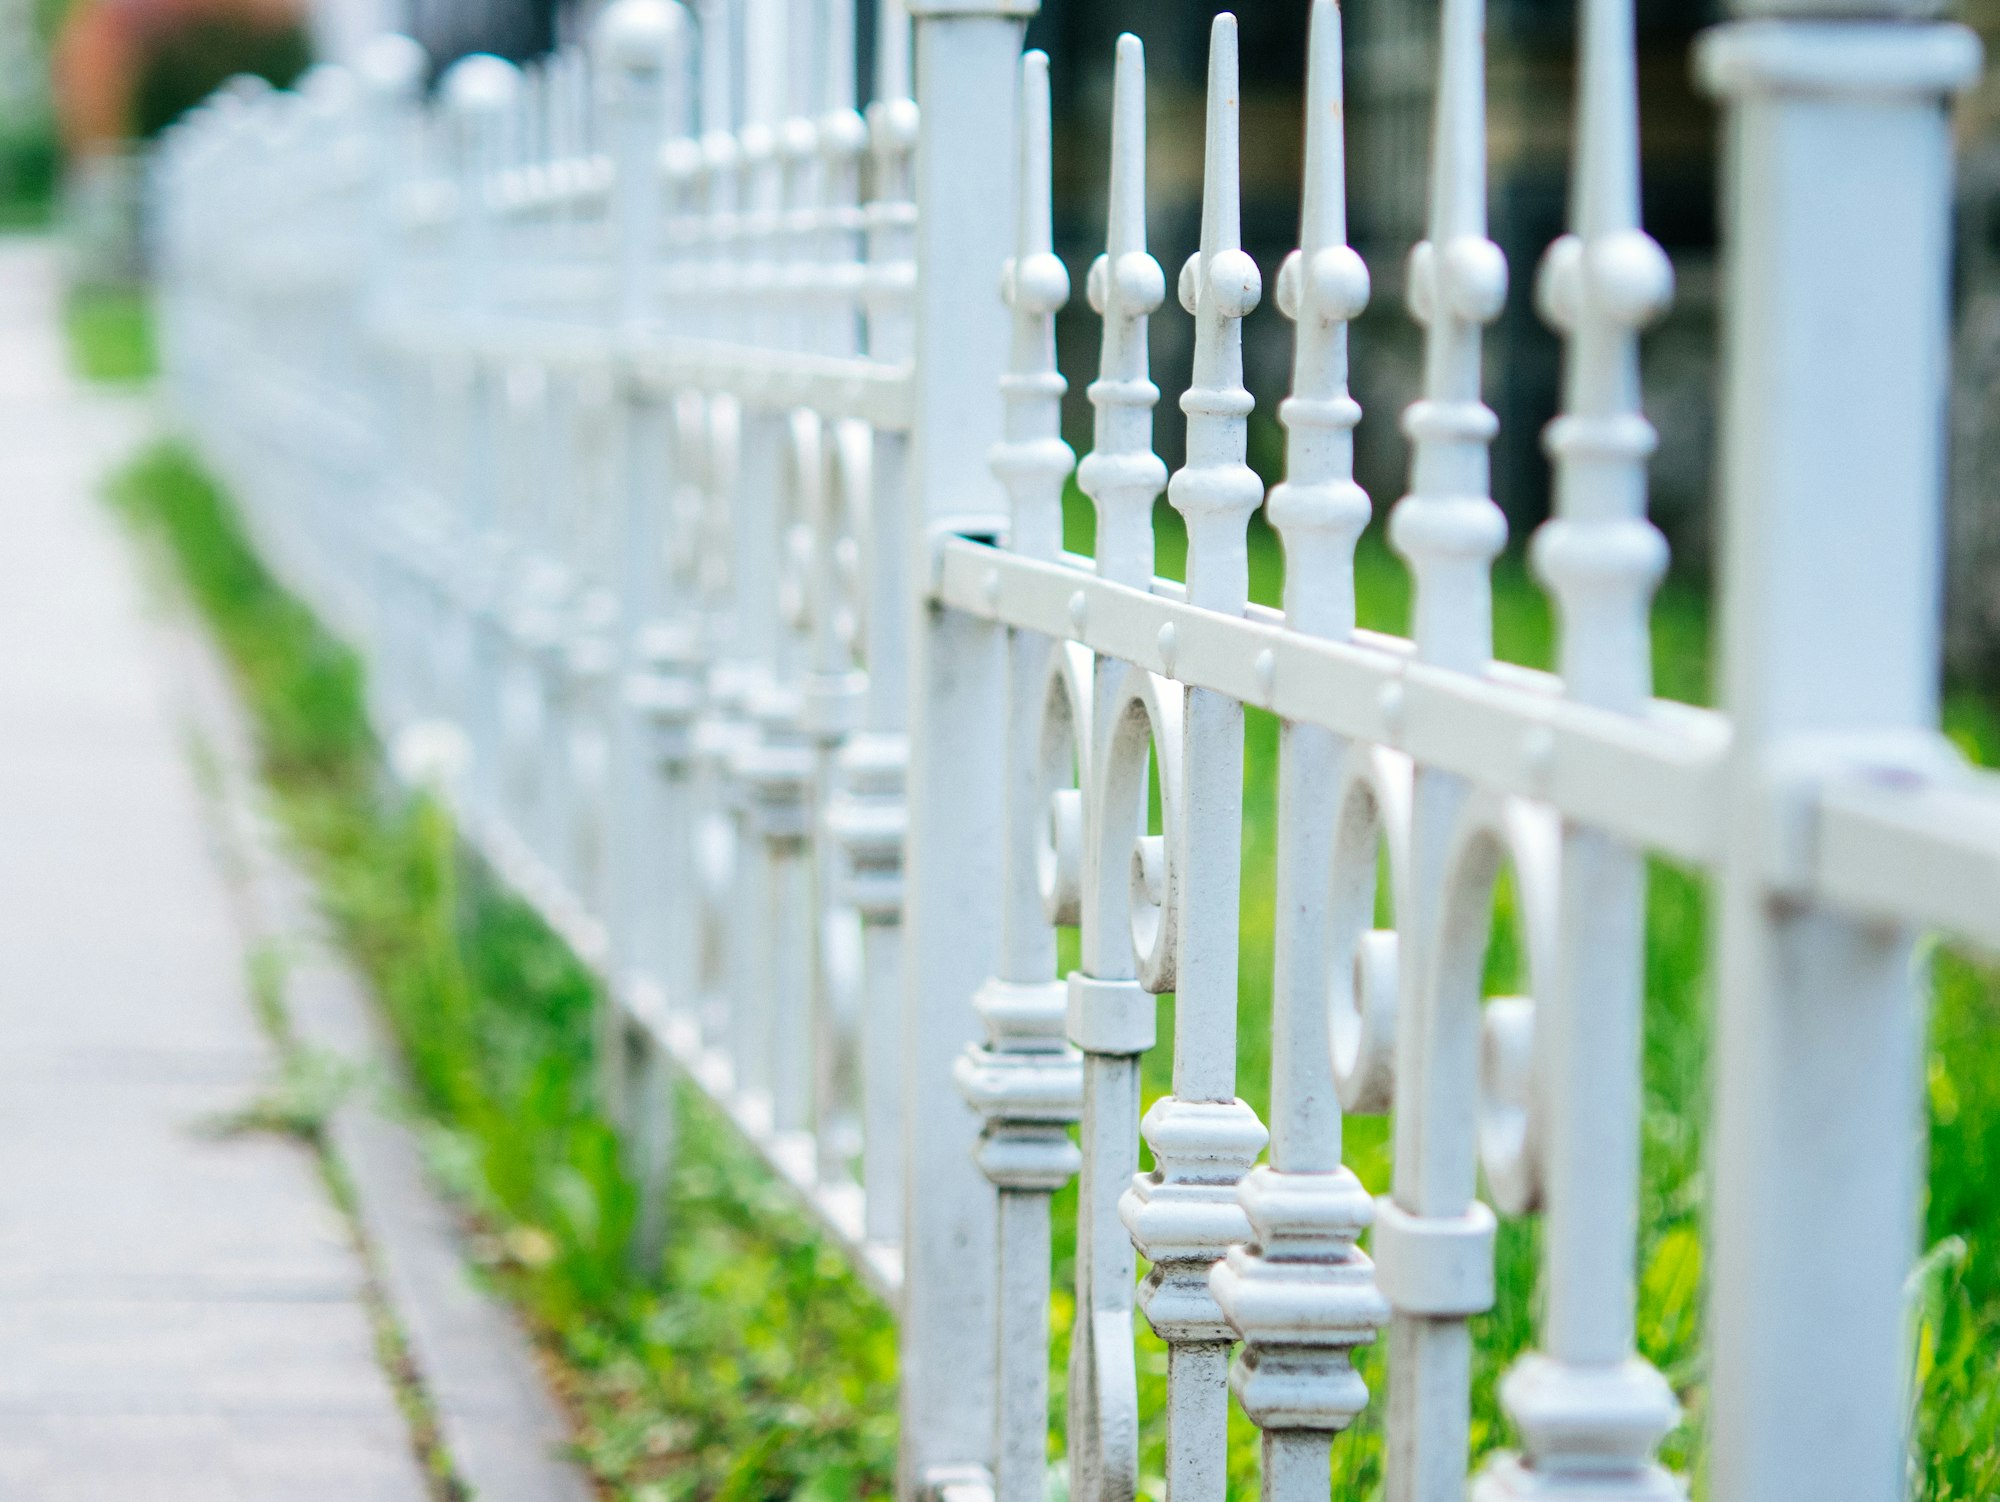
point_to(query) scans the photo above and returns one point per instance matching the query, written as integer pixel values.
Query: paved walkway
(181, 1314)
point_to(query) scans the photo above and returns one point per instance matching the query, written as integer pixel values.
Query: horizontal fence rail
(650, 422)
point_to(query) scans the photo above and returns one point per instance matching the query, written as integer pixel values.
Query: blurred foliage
(30, 162)
(183, 64)
(110, 334)
(752, 1364)
(49, 17)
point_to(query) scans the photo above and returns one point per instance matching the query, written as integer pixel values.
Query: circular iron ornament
(802, 502)
(1062, 752)
(1492, 831)
(1134, 876)
(1373, 819)
(845, 530)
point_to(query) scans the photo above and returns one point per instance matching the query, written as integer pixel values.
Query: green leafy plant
(310, 1085)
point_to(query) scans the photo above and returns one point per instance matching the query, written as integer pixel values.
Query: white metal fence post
(1837, 189)
(967, 54)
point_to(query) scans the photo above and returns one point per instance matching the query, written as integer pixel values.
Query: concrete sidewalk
(181, 1314)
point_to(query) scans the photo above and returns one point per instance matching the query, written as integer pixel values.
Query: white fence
(651, 422)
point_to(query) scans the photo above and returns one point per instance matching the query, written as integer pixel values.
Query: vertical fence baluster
(1183, 1216)
(665, 693)
(1300, 1294)
(595, 648)
(783, 774)
(1025, 1081)
(392, 72)
(1584, 1402)
(836, 687)
(712, 311)
(868, 815)
(555, 612)
(755, 485)
(668, 692)
(771, 764)
(1433, 1241)
(495, 692)
(638, 44)
(1110, 1017)
(483, 94)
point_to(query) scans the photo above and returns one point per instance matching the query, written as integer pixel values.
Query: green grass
(751, 1363)
(110, 334)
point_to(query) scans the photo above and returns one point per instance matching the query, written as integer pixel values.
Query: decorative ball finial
(327, 89)
(481, 84)
(392, 67)
(638, 36)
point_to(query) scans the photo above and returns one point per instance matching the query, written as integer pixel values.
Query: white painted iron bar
(1299, 1293)
(1183, 1215)
(868, 815)
(1584, 1398)
(1110, 1017)
(1024, 1079)
(1433, 1241)
(635, 45)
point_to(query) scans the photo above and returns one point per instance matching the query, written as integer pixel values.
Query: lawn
(110, 334)
(751, 1363)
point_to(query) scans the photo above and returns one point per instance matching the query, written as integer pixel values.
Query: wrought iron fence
(685, 461)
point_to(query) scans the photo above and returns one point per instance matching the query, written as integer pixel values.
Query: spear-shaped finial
(1122, 474)
(1318, 509)
(1600, 285)
(1216, 490)
(1032, 460)
(1447, 526)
